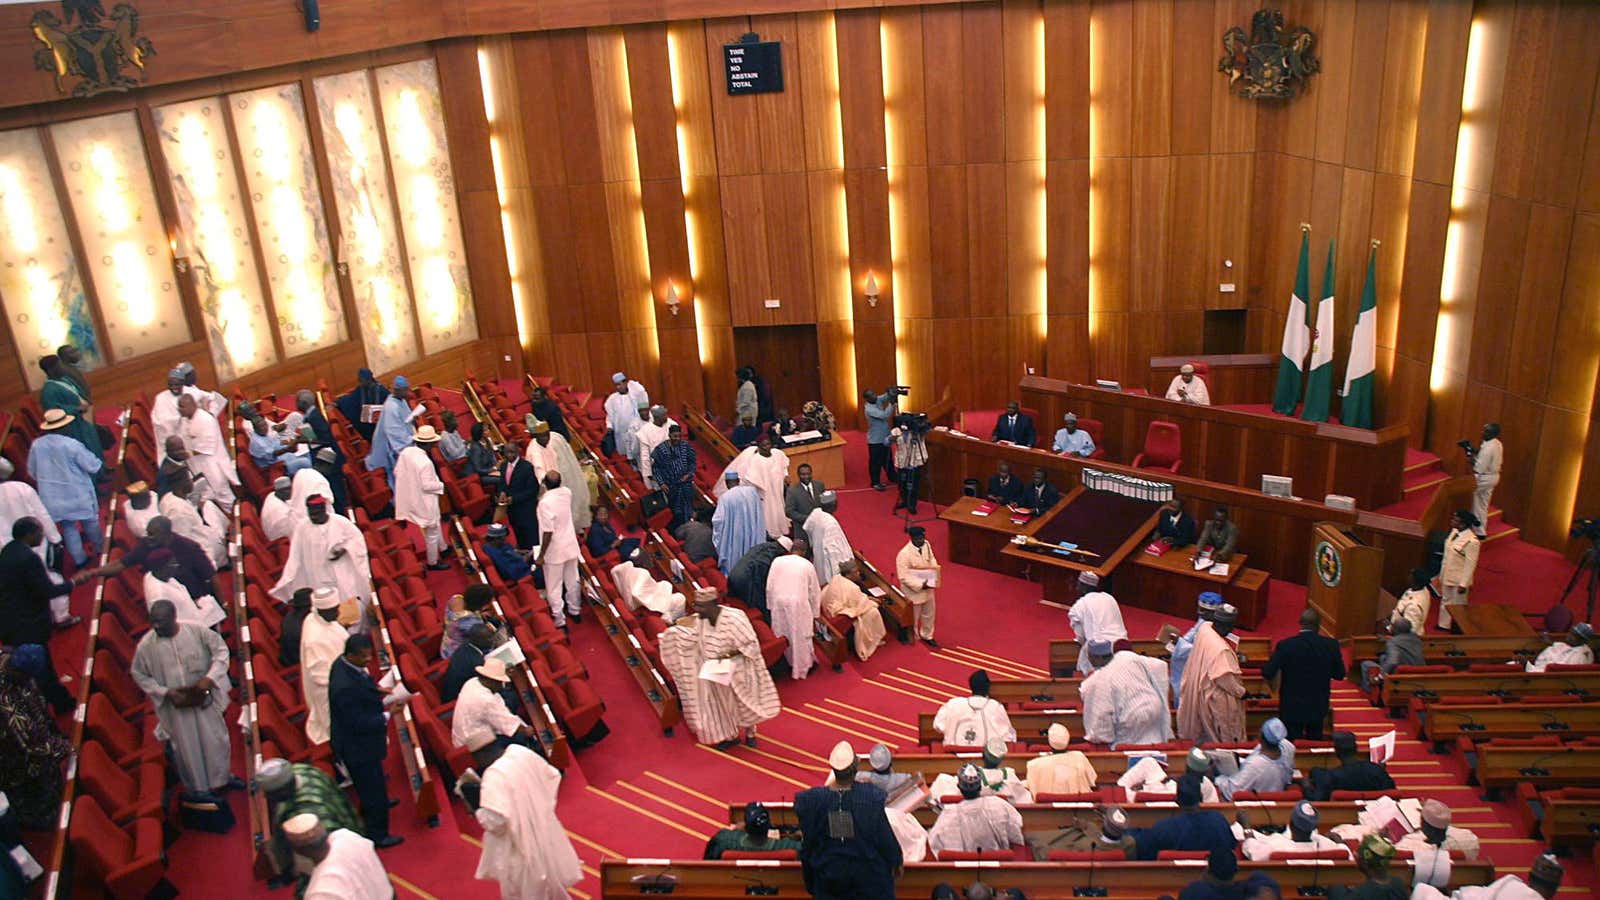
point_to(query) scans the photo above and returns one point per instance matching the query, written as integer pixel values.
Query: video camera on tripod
(1589, 562)
(1586, 528)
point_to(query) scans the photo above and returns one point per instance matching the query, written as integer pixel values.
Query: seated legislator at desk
(1004, 487)
(1071, 440)
(1220, 536)
(1040, 495)
(1175, 527)
(1187, 387)
(1014, 427)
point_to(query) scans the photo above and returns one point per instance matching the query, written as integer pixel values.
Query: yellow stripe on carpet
(600, 848)
(1043, 673)
(922, 691)
(750, 765)
(769, 739)
(899, 729)
(903, 691)
(783, 759)
(671, 805)
(860, 734)
(690, 791)
(978, 662)
(865, 712)
(647, 813)
(470, 839)
(411, 887)
(924, 676)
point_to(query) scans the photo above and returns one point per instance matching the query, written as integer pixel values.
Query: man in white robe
(209, 455)
(1124, 698)
(394, 431)
(1063, 771)
(139, 510)
(525, 847)
(417, 490)
(736, 526)
(161, 583)
(736, 692)
(1268, 768)
(164, 417)
(979, 822)
(640, 589)
(1149, 776)
(480, 707)
(1302, 836)
(622, 416)
(308, 483)
(345, 864)
(975, 720)
(767, 470)
(326, 550)
(829, 546)
(1576, 650)
(558, 552)
(649, 435)
(183, 669)
(278, 518)
(794, 603)
(206, 525)
(917, 570)
(994, 775)
(19, 500)
(1543, 882)
(1094, 617)
(572, 478)
(321, 643)
(843, 596)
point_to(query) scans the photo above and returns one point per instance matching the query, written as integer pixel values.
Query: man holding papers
(723, 684)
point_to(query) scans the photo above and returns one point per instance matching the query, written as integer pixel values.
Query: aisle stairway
(1424, 473)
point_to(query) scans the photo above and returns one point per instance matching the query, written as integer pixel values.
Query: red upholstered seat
(1330, 853)
(1084, 797)
(1358, 795)
(1182, 854)
(1163, 447)
(128, 861)
(435, 737)
(271, 683)
(124, 795)
(1109, 854)
(1201, 370)
(761, 854)
(124, 741)
(290, 738)
(115, 682)
(1096, 428)
(1266, 795)
(955, 855)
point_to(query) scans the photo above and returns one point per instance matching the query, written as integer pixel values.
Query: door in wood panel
(786, 358)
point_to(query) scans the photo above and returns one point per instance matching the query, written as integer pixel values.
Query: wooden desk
(1065, 691)
(826, 459)
(695, 879)
(1064, 653)
(1237, 447)
(1031, 726)
(1051, 816)
(1108, 764)
(1399, 689)
(1569, 823)
(1442, 723)
(898, 612)
(1497, 619)
(1232, 377)
(978, 541)
(1169, 584)
(1459, 651)
(1570, 765)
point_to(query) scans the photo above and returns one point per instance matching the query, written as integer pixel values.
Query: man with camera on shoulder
(880, 410)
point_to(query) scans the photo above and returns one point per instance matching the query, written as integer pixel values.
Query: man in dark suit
(802, 497)
(359, 733)
(1040, 495)
(520, 496)
(1175, 526)
(311, 415)
(368, 392)
(1220, 534)
(1015, 427)
(1005, 487)
(25, 592)
(1307, 663)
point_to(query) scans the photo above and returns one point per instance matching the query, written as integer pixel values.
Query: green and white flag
(1358, 371)
(1296, 336)
(1319, 382)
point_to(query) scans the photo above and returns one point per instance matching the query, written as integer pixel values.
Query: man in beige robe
(844, 597)
(1062, 771)
(917, 571)
(321, 642)
(1212, 707)
(714, 658)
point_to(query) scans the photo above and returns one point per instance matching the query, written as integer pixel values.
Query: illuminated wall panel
(214, 237)
(369, 247)
(425, 189)
(281, 175)
(125, 245)
(40, 284)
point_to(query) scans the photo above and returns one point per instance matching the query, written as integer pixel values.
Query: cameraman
(880, 409)
(1485, 461)
(910, 455)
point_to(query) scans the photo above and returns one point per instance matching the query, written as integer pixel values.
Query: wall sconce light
(673, 302)
(872, 290)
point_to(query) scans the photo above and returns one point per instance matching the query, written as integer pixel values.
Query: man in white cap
(183, 669)
(326, 550)
(209, 454)
(1302, 836)
(1186, 387)
(1212, 695)
(622, 414)
(1148, 776)
(736, 526)
(843, 596)
(1072, 440)
(64, 472)
(649, 435)
(278, 518)
(1062, 771)
(540, 454)
(829, 545)
(1269, 767)
(394, 431)
(480, 707)
(558, 552)
(732, 694)
(767, 470)
(1094, 616)
(1124, 698)
(321, 642)
(1543, 882)
(917, 570)
(794, 602)
(195, 517)
(139, 510)
(979, 822)
(525, 847)
(972, 721)
(417, 490)
(1577, 649)
(1181, 645)
(343, 865)
(19, 500)
(1436, 833)
(293, 789)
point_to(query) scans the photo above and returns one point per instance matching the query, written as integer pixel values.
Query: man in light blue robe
(394, 431)
(63, 471)
(737, 524)
(1184, 645)
(1269, 767)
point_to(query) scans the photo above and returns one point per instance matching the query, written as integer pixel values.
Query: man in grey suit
(802, 497)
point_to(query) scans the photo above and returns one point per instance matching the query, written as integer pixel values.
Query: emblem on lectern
(1328, 562)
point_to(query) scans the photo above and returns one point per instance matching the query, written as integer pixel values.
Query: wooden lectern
(1345, 580)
